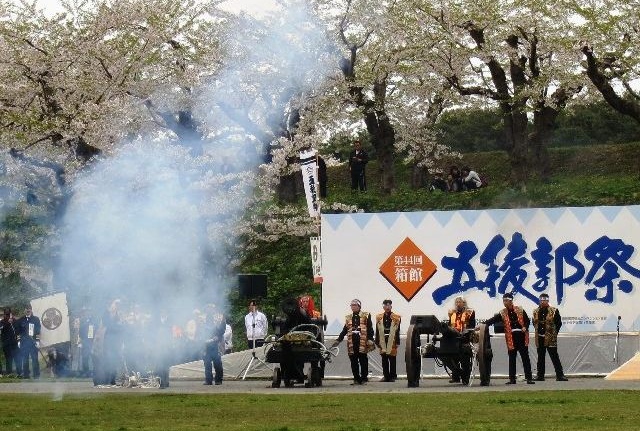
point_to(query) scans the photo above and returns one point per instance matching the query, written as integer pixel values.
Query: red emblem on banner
(408, 269)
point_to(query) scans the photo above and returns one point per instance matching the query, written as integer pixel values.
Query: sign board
(54, 318)
(586, 259)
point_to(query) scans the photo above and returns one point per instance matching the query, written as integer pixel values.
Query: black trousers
(29, 351)
(389, 366)
(259, 342)
(358, 180)
(359, 367)
(461, 365)
(553, 354)
(12, 356)
(519, 347)
(85, 355)
(212, 356)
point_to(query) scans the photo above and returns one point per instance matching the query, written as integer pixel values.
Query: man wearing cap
(516, 334)
(547, 323)
(388, 339)
(28, 328)
(359, 332)
(460, 319)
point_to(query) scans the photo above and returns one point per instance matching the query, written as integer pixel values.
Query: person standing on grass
(358, 159)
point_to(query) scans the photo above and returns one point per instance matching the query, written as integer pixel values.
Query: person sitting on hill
(438, 182)
(470, 179)
(454, 180)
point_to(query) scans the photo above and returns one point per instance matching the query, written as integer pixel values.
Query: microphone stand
(253, 350)
(615, 350)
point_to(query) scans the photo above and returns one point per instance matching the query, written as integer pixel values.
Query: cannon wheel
(412, 357)
(485, 355)
(277, 377)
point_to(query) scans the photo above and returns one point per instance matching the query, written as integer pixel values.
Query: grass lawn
(545, 410)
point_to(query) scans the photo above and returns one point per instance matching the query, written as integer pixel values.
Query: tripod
(254, 358)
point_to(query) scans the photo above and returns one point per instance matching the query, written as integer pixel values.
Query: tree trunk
(515, 127)
(419, 177)
(544, 120)
(289, 188)
(383, 139)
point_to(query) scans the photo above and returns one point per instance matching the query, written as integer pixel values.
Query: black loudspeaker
(252, 285)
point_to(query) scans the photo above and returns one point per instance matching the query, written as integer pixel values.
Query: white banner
(316, 258)
(584, 258)
(309, 167)
(54, 318)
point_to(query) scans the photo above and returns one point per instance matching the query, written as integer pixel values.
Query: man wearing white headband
(358, 329)
(547, 323)
(516, 334)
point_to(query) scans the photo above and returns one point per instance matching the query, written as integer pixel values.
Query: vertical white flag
(54, 318)
(316, 259)
(308, 165)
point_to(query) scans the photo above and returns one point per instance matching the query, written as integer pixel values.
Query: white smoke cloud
(154, 224)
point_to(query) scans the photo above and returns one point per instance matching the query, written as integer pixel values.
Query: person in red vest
(516, 334)
(460, 319)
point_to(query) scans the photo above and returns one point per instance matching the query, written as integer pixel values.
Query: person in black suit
(28, 327)
(358, 159)
(9, 338)
(322, 177)
(213, 337)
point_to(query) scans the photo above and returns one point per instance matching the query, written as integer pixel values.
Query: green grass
(549, 410)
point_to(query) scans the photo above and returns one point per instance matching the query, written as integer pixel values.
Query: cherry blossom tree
(607, 33)
(384, 84)
(507, 53)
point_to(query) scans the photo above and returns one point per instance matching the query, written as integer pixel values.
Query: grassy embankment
(580, 176)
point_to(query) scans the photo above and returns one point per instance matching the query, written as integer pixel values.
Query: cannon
(298, 340)
(448, 347)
